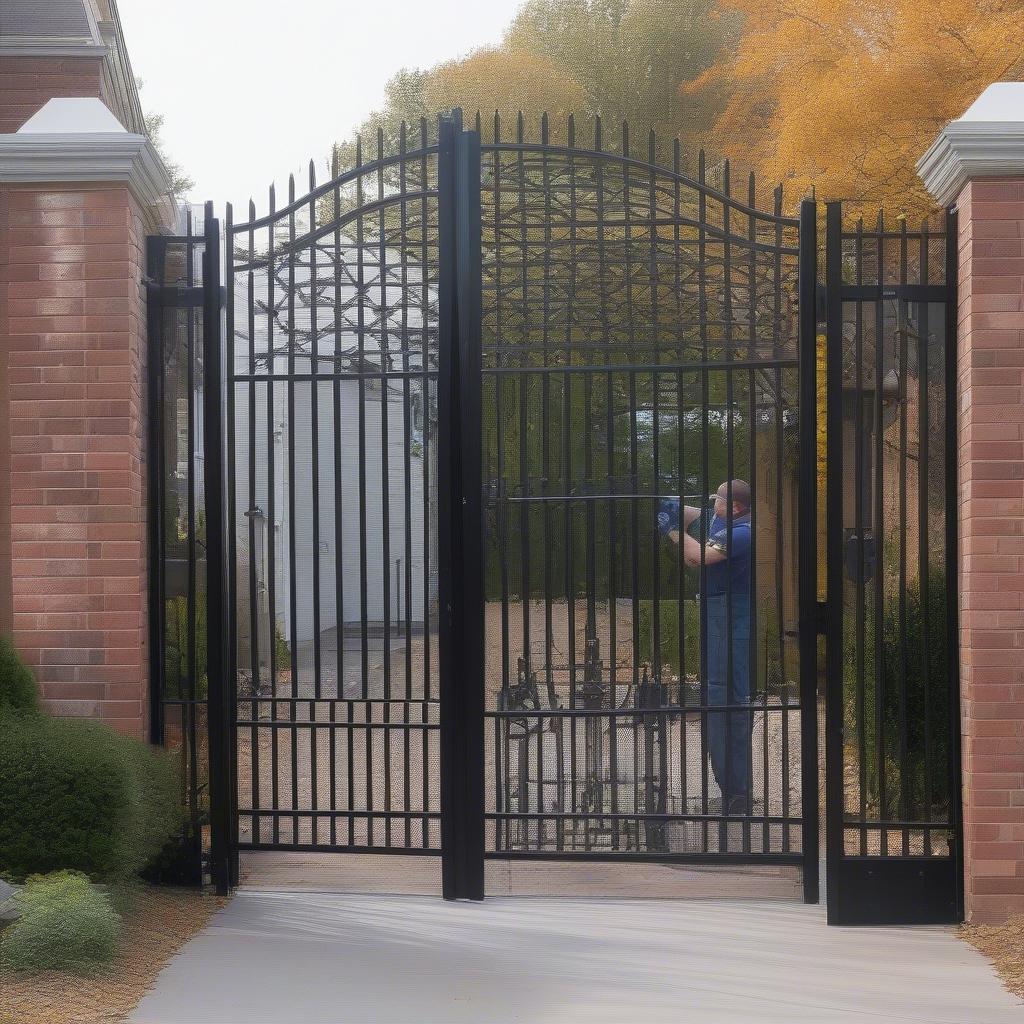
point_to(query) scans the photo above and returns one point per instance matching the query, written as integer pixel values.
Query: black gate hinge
(821, 617)
(821, 302)
(194, 297)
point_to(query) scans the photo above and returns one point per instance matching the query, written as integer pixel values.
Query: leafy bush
(176, 679)
(176, 676)
(668, 634)
(768, 670)
(65, 924)
(18, 691)
(917, 699)
(178, 863)
(75, 794)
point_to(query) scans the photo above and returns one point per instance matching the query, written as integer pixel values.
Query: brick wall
(72, 328)
(991, 395)
(26, 83)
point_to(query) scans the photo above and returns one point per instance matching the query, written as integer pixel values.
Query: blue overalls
(726, 589)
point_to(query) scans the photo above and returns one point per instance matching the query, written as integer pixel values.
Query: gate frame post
(460, 536)
(807, 556)
(219, 685)
(834, 783)
(904, 887)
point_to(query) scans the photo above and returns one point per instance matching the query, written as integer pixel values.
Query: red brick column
(26, 83)
(991, 454)
(72, 325)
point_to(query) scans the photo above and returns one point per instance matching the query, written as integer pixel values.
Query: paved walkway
(311, 958)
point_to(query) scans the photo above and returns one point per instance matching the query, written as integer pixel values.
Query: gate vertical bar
(460, 580)
(834, 783)
(469, 302)
(156, 248)
(219, 711)
(953, 560)
(807, 583)
(230, 525)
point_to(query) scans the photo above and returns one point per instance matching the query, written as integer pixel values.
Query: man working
(726, 598)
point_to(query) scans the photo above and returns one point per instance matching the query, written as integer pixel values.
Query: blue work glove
(668, 515)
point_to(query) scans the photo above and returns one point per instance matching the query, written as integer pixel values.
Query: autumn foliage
(844, 96)
(507, 83)
(838, 96)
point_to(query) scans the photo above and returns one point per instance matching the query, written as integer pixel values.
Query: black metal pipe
(460, 549)
(807, 554)
(217, 592)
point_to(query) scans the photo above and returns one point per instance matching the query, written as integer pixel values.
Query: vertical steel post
(834, 549)
(807, 527)
(156, 249)
(218, 691)
(230, 558)
(460, 578)
(951, 405)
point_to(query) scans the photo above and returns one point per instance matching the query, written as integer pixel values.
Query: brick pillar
(75, 207)
(26, 83)
(991, 393)
(75, 321)
(978, 164)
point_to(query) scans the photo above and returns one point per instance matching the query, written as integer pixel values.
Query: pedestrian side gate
(411, 433)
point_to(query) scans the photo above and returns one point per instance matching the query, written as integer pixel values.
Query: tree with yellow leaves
(844, 96)
(622, 60)
(506, 82)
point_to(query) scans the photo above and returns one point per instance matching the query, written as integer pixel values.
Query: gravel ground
(1004, 946)
(358, 754)
(158, 924)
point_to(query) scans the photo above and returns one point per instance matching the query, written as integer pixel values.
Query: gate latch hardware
(820, 303)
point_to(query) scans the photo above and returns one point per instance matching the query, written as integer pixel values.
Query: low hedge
(75, 794)
(668, 634)
(18, 690)
(64, 923)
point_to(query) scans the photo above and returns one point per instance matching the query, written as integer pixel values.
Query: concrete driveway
(314, 958)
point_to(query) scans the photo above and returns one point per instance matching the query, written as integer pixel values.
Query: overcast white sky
(252, 89)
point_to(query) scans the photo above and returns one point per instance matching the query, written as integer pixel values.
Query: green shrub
(75, 794)
(668, 634)
(176, 676)
(768, 669)
(913, 716)
(176, 679)
(66, 923)
(18, 689)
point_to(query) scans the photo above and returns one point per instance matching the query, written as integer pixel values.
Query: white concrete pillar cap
(76, 139)
(987, 141)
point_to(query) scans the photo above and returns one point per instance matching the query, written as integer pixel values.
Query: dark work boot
(737, 806)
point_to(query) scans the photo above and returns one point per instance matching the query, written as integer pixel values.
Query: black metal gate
(639, 340)
(892, 732)
(438, 614)
(332, 347)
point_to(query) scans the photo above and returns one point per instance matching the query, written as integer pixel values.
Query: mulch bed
(1004, 946)
(158, 924)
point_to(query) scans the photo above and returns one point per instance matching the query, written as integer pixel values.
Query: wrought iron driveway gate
(439, 615)
(892, 734)
(639, 340)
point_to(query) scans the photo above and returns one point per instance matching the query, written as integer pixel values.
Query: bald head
(740, 498)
